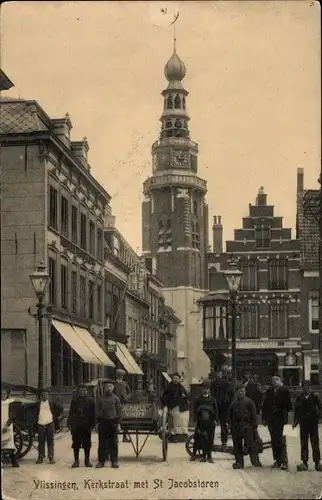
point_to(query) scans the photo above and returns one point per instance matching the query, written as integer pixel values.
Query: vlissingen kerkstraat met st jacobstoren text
(100, 484)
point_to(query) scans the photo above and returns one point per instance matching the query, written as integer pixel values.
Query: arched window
(177, 102)
(165, 233)
(195, 234)
(170, 102)
(184, 103)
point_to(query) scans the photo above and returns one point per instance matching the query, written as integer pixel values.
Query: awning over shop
(166, 376)
(76, 342)
(93, 346)
(125, 358)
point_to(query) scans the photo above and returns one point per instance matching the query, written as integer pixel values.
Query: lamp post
(233, 276)
(40, 280)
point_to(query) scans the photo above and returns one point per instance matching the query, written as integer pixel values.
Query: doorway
(291, 377)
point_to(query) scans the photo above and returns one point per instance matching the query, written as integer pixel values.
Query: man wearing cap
(308, 412)
(276, 407)
(242, 420)
(47, 412)
(224, 395)
(108, 413)
(123, 392)
(81, 421)
(205, 416)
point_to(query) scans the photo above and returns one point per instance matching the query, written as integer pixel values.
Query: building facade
(175, 222)
(308, 220)
(136, 316)
(52, 211)
(268, 328)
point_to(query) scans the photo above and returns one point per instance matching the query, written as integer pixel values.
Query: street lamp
(233, 276)
(40, 280)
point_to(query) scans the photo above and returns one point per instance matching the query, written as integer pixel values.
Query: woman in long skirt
(175, 397)
(7, 440)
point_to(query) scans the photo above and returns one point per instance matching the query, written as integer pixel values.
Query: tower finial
(173, 23)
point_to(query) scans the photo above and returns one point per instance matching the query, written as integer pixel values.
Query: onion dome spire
(175, 69)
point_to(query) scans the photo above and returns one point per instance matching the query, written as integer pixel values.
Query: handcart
(141, 419)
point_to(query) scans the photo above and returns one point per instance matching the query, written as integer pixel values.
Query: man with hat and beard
(81, 421)
(242, 420)
(123, 392)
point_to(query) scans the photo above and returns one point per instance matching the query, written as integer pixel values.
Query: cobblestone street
(155, 476)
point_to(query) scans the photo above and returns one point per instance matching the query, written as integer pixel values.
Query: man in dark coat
(108, 414)
(308, 412)
(224, 393)
(81, 421)
(123, 392)
(206, 417)
(276, 407)
(253, 392)
(242, 420)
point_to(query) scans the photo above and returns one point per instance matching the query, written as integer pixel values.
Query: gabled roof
(5, 82)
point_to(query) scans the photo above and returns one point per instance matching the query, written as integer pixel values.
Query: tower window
(184, 103)
(165, 233)
(195, 234)
(177, 102)
(170, 102)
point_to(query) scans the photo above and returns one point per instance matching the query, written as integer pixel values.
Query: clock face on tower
(180, 159)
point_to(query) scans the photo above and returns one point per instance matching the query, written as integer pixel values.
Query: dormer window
(262, 236)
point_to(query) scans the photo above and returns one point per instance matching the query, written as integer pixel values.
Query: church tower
(175, 221)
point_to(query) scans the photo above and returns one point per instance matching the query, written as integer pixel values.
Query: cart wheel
(17, 439)
(165, 434)
(189, 446)
(27, 442)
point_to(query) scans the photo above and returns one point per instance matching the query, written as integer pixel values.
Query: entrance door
(291, 376)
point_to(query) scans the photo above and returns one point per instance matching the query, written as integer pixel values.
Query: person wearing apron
(7, 438)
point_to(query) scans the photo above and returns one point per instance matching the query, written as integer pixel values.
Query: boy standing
(242, 420)
(108, 417)
(48, 413)
(206, 416)
(81, 421)
(308, 412)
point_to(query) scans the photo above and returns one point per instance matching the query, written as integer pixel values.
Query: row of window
(247, 323)
(74, 225)
(178, 102)
(77, 294)
(277, 275)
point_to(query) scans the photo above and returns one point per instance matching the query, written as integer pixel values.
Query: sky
(253, 76)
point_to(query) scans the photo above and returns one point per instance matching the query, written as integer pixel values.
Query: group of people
(238, 408)
(84, 415)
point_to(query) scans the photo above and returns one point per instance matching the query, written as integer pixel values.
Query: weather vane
(164, 11)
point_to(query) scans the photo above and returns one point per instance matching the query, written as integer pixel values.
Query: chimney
(300, 180)
(217, 230)
(61, 128)
(80, 150)
(261, 199)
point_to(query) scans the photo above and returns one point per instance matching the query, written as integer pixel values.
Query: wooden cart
(24, 411)
(140, 419)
